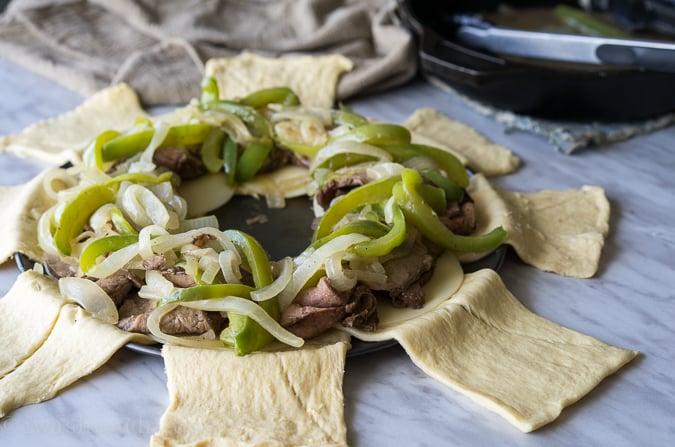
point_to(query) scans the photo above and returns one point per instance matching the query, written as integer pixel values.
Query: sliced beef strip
(58, 268)
(135, 311)
(178, 277)
(119, 285)
(184, 161)
(362, 310)
(406, 270)
(460, 217)
(156, 262)
(334, 187)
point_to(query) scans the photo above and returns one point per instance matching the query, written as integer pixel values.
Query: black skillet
(547, 90)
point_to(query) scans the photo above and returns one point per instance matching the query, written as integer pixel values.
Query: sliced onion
(314, 262)
(229, 261)
(161, 131)
(348, 147)
(115, 261)
(156, 286)
(154, 320)
(91, 297)
(143, 207)
(168, 242)
(340, 279)
(383, 170)
(145, 240)
(278, 284)
(208, 262)
(55, 180)
(199, 222)
(44, 232)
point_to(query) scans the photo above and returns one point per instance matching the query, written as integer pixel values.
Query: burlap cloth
(159, 47)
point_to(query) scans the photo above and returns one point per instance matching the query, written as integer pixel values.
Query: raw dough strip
(555, 231)
(77, 346)
(60, 139)
(27, 315)
(486, 345)
(481, 155)
(291, 397)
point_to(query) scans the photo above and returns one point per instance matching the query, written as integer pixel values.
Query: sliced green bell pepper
(127, 145)
(230, 155)
(384, 244)
(140, 177)
(76, 213)
(209, 87)
(367, 227)
(103, 246)
(252, 159)
(120, 223)
(212, 150)
(206, 292)
(93, 155)
(373, 192)
(273, 95)
(258, 123)
(377, 134)
(453, 168)
(418, 213)
(452, 191)
(243, 333)
(344, 116)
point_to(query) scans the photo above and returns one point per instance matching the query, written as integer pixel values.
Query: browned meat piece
(362, 310)
(57, 268)
(119, 285)
(277, 158)
(314, 310)
(412, 297)
(334, 187)
(460, 217)
(404, 271)
(202, 239)
(178, 276)
(156, 262)
(135, 311)
(184, 161)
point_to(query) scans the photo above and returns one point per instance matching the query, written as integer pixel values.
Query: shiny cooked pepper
(373, 192)
(77, 212)
(212, 150)
(255, 120)
(252, 159)
(384, 244)
(453, 193)
(273, 95)
(371, 228)
(210, 91)
(349, 118)
(206, 292)
(230, 154)
(420, 214)
(377, 134)
(243, 333)
(140, 177)
(103, 246)
(127, 145)
(120, 223)
(454, 169)
(93, 155)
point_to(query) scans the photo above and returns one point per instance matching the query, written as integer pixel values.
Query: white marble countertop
(389, 401)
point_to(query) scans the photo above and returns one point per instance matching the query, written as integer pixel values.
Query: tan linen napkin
(159, 48)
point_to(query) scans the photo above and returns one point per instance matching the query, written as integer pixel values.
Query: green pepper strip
(272, 95)
(366, 227)
(305, 150)
(209, 89)
(377, 134)
(373, 192)
(120, 222)
(103, 246)
(249, 115)
(453, 193)
(230, 154)
(252, 159)
(351, 119)
(128, 145)
(423, 217)
(453, 168)
(243, 333)
(206, 292)
(387, 242)
(93, 156)
(76, 213)
(212, 149)
(140, 177)
(434, 197)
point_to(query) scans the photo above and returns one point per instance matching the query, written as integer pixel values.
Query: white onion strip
(348, 147)
(91, 297)
(233, 304)
(313, 262)
(114, 262)
(278, 285)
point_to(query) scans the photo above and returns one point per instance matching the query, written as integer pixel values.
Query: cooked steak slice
(58, 268)
(179, 277)
(135, 311)
(403, 271)
(184, 161)
(412, 297)
(119, 285)
(460, 217)
(315, 310)
(156, 262)
(362, 310)
(334, 187)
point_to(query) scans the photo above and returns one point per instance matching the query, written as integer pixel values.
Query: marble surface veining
(388, 400)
